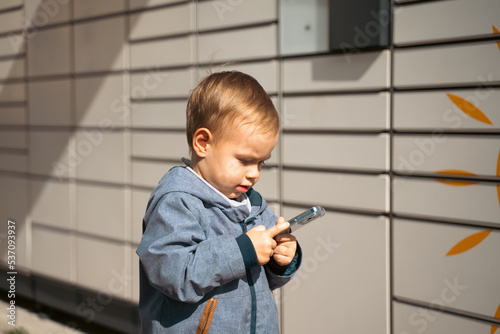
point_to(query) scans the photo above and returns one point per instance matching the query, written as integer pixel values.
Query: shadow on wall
(337, 69)
(66, 125)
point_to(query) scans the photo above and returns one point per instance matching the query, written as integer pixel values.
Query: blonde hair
(226, 99)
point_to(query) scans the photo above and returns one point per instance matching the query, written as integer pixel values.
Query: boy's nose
(253, 172)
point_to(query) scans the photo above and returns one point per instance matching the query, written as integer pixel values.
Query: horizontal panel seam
(450, 41)
(340, 209)
(448, 310)
(452, 222)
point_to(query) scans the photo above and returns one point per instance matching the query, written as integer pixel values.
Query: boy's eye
(249, 162)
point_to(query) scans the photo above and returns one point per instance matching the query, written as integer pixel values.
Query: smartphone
(304, 218)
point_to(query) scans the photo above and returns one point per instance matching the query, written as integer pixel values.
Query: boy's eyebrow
(256, 158)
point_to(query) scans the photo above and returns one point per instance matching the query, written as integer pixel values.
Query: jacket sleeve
(177, 257)
(280, 275)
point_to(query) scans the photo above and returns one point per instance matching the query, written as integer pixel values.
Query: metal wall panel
(12, 115)
(44, 194)
(106, 258)
(94, 215)
(148, 173)
(445, 20)
(99, 149)
(152, 54)
(473, 201)
(40, 13)
(304, 27)
(164, 114)
(134, 4)
(12, 68)
(52, 253)
(12, 92)
(451, 110)
(217, 15)
(52, 153)
(448, 154)
(6, 4)
(89, 8)
(12, 45)
(50, 102)
(350, 191)
(337, 72)
(161, 22)
(340, 250)
(265, 72)
(461, 64)
(443, 265)
(99, 45)
(169, 145)
(337, 151)
(414, 320)
(337, 112)
(13, 162)
(238, 44)
(99, 101)
(13, 139)
(11, 21)
(161, 84)
(49, 52)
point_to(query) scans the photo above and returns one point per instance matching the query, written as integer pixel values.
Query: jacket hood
(181, 180)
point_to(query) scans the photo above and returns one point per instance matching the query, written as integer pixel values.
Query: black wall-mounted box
(357, 25)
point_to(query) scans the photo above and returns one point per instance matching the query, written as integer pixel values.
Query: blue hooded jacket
(198, 268)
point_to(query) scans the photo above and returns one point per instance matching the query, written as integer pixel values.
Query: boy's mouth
(243, 189)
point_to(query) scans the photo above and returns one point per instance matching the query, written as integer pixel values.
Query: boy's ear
(201, 140)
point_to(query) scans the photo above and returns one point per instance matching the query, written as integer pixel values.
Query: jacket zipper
(206, 318)
(253, 322)
(209, 314)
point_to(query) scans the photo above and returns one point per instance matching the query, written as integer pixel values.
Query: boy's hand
(263, 240)
(286, 247)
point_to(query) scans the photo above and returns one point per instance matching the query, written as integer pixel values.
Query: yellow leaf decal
(498, 164)
(495, 30)
(469, 109)
(468, 243)
(497, 316)
(498, 193)
(498, 175)
(454, 182)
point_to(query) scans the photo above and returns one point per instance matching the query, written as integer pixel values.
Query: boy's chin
(234, 195)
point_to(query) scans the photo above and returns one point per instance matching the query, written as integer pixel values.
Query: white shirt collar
(239, 201)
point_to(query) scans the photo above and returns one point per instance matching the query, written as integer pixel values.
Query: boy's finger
(259, 228)
(284, 238)
(280, 220)
(277, 229)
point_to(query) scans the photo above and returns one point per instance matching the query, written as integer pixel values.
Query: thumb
(280, 226)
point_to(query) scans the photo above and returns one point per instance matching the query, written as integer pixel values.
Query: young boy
(212, 251)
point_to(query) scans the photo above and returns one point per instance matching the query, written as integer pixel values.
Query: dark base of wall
(74, 307)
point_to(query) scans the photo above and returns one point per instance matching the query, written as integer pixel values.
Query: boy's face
(233, 165)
